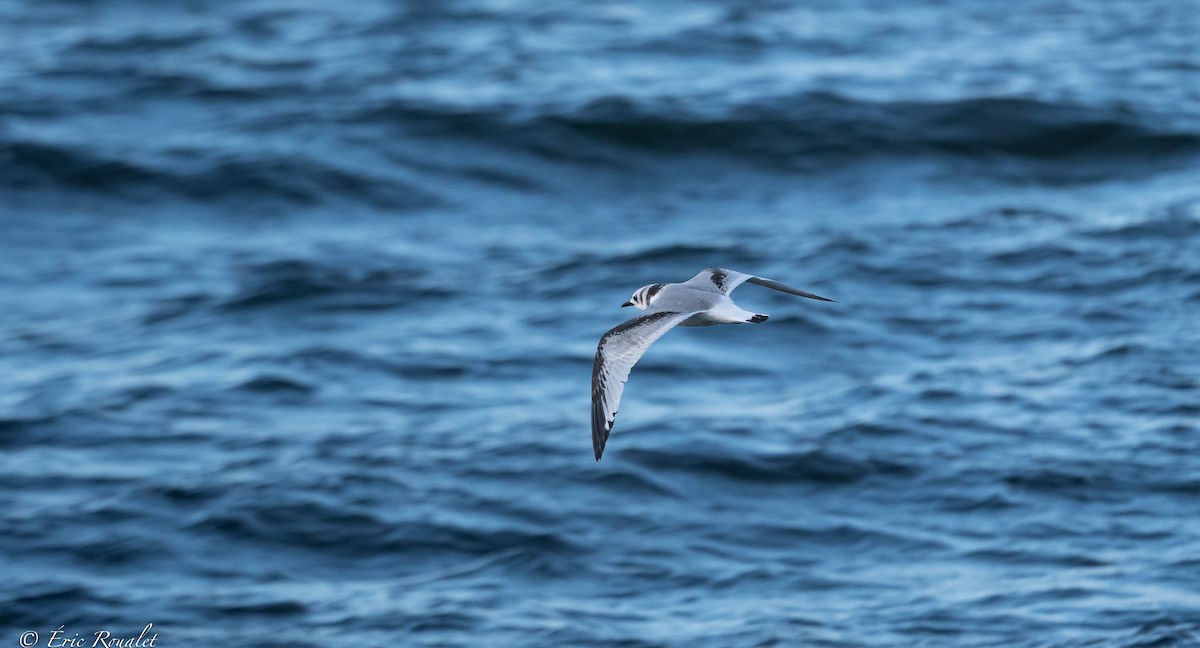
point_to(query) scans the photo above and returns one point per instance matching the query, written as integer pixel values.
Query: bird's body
(703, 300)
(710, 308)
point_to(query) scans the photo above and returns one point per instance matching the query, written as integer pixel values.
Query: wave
(860, 538)
(1055, 142)
(328, 287)
(57, 603)
(816, 467)
(1098, 482)
(275, 384)
(814, 129)
(1177, 221)
(317, 526)
(1167, 630)
(204, 177)
(321, 358)
(1028, 557)
(590, 261)
(284, 608)
(635, 482)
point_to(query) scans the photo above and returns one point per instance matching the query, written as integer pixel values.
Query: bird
(702, 300)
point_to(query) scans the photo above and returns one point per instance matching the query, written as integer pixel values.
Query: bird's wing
(618, 351)
(722, 281)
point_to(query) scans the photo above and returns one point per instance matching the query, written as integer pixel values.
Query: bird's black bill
(628, 303)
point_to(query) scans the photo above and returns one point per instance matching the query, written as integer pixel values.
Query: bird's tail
(757, 319)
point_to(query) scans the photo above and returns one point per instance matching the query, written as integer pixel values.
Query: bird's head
(643, 296)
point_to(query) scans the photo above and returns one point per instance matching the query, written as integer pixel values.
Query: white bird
(702, 300)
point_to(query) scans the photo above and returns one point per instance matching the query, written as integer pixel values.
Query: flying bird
(702, 300)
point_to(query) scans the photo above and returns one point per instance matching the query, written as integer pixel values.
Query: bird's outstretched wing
(722, 281)
(618, 351)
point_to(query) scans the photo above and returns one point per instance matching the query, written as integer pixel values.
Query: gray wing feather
(717, 280)
(724, 281)
(784, 288)
(618, 351)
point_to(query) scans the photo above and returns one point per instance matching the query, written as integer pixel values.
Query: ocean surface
(299, 301)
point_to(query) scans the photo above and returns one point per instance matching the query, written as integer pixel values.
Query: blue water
(299, 302)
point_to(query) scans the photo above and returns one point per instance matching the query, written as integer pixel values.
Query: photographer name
(103, 639)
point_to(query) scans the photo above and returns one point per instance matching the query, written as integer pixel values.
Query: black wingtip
(599, 440)
(599, 433)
